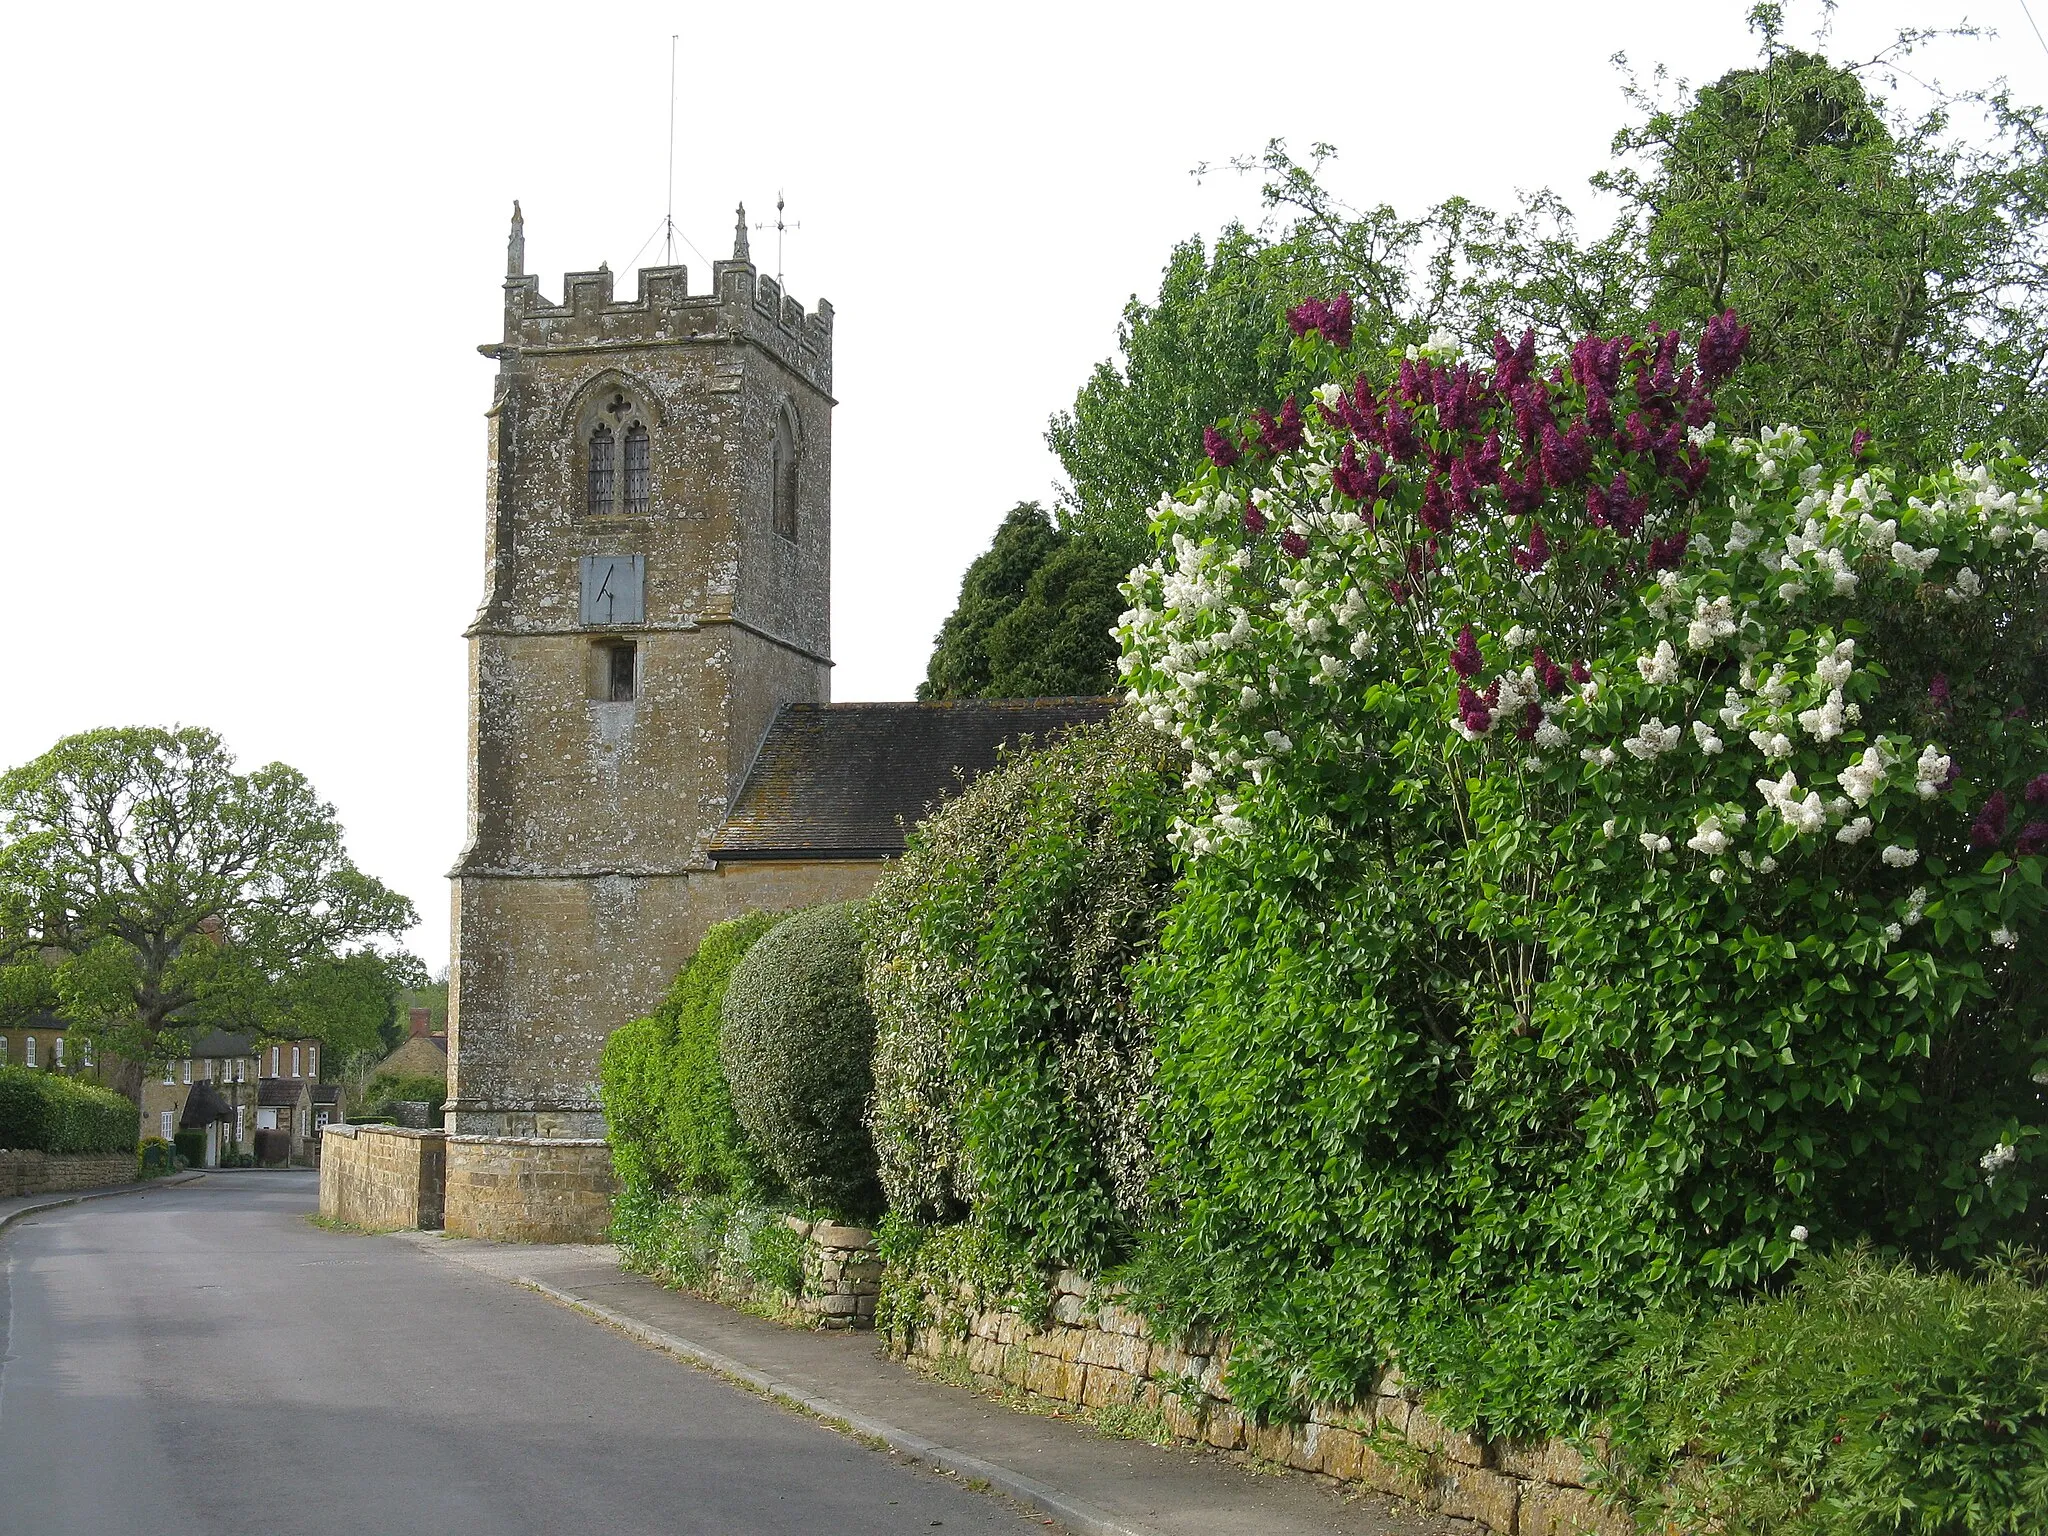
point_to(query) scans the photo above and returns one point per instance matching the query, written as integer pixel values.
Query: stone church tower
(657, 585)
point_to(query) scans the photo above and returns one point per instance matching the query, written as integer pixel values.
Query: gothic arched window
(782, 479)
(637, 466)
(603, 471)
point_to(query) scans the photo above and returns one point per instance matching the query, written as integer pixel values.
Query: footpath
(17, 1207)
(1070, 1473)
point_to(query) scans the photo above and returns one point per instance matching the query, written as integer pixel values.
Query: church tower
(656, 585)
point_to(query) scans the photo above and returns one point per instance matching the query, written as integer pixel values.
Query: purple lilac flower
(1937, 690)
(1221, 450)
(1859, 443)
(1254, 520)
(1536, 554)
(1308, 315)
(2037, 789)
(1989, 828)
(1294, 543)
(2033, 838)
(1337, 322)
(1349, 478)
(1720, 347)
(1465, 657)
(1436, 512)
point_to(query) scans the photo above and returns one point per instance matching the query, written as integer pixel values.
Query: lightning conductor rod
(668, 219)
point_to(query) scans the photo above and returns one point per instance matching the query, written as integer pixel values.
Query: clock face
(612, 590)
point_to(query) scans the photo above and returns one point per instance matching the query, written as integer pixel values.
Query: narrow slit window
(619, 672)
(637, 467)
(782, 478)
(603, 471)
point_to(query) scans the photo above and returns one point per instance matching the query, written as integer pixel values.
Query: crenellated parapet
(741, 304)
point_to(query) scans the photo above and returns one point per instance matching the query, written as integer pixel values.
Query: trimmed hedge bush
(46, 1112)
(1012, 1073)
(191, 1146)
(797, 1043)
(666, 1101)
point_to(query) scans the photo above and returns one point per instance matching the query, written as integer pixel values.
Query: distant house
(421, 1054)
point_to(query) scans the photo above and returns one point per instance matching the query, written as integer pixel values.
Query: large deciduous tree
(147, 887)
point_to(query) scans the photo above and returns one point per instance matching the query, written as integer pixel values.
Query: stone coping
(521, 1141)
(386, 1130)
(830, 1234)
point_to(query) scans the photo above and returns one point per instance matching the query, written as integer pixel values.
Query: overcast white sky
(249, 252)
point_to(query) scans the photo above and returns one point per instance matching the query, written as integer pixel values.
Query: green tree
(1034, 617)
(352, 1001)
(150, 887)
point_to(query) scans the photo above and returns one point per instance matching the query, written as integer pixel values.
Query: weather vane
(779, 225)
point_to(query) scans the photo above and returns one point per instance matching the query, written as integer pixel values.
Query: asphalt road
(201, 1360)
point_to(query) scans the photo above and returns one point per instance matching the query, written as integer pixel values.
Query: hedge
(667, 1105)
(46, 1112)
(797, 1042)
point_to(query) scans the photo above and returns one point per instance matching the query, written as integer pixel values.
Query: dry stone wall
(1096, 1352)
(842, 1274)
(46, 1173)
(383, 1177)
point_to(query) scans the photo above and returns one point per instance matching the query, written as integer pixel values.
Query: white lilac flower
(1863, 777)
(1599, 757)
(1710, 622)
(1998, 1159)
(1361, 644)
(1777, 688)
(1898, 856)
(1930, 774)
(1790, 591)
(1278, 744)
(1967, 584)
(1653, 739)
(1609, 827)
(1704, 735)
(1550, 736)
(1834, 666)
(1826, 722)
(2041, 541)
(1248, 697)
(1733, 709)
(1914, 560)
(1717, 874)
(1334, 667)
(1741, 536)
(1803, 816)
(1800, 1234)
(1767, 865)
(1660, 669)
(1708, 838)
(2004, 938)
(1893, 933)
(1655, 842)
(1773, 744)
(1855, 831)
(1517, 638)
(1916, 906)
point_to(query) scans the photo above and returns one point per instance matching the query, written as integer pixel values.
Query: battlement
(740, 303)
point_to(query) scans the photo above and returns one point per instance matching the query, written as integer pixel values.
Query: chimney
(421, 1021)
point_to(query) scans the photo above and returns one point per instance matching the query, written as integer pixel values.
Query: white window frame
(273, 1061)
(164, 1120)
(312, 1061)
(3, 1050)
(295, 1061)
(57, 1051)
(28, 1051)
(188, 1071)
(170, 1072)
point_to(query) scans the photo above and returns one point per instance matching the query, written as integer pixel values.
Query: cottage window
(57, 1051)
(621, 658)
(85, 1050)
(273, 1061)
(3, 1050)
(295, 1061)
(603, 470)
(28, 1051)
(164, 1122)
(188, 1069)
(241, 1070)
(312, 1061)
(638, 464)
(170, 1072)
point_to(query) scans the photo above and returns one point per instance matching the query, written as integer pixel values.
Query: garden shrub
(727, 1249)
(48, 1112)
(191, 1146)
(1869, 1397)
(388, 1089)
(1612, 871)
(668, 1108)
(153, 1159)
(797, 1041)
(1011, 1071)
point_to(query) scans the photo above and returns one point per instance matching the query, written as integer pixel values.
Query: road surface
(201, 1360)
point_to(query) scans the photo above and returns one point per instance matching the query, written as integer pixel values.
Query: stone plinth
(530, 1189)
(842, 1274)
(383, 1177)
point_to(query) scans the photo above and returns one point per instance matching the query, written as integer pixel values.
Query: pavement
(15, 1207)
(203, 1359)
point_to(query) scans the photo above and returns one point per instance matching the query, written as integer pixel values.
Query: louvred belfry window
(637, 463)
(603, 472)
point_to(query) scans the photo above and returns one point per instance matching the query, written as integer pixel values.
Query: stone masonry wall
(45, 1173)
(384, 1177)
(1095, 1352)
(842, 1274)
(530, 1189)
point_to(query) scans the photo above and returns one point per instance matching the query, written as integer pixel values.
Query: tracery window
(603, 472)
(638, 464)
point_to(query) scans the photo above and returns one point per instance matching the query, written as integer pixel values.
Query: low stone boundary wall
(1095, 1352)
(842, 1274)
(384, 1177)
(529, 1189)
(45, 1173)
